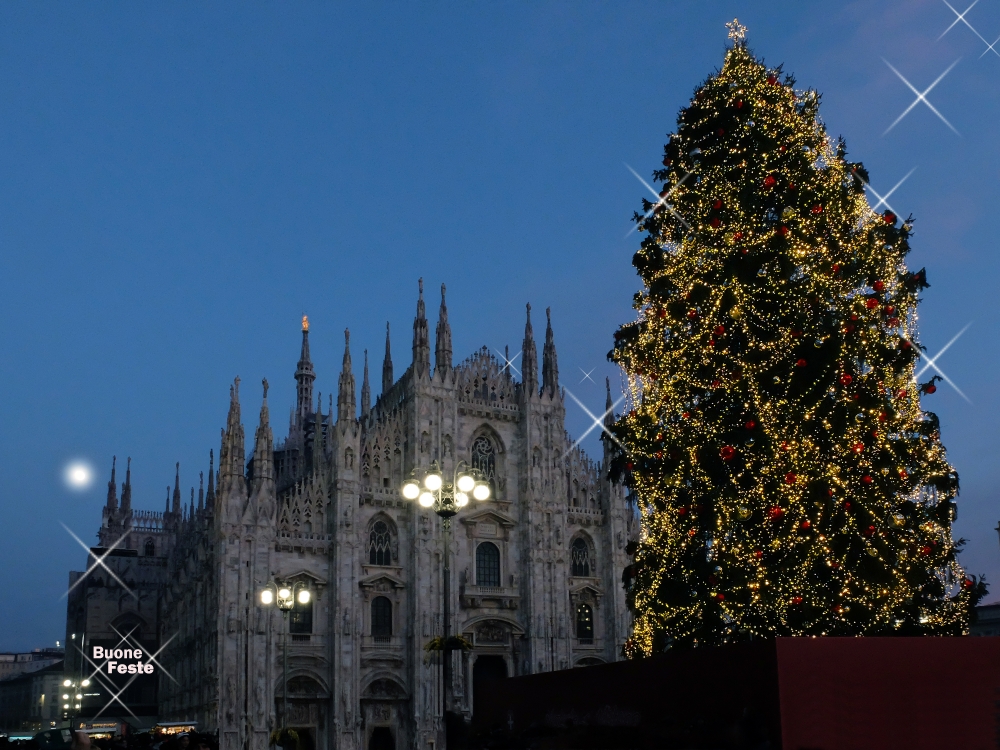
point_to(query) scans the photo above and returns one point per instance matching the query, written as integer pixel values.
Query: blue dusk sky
(180, 182)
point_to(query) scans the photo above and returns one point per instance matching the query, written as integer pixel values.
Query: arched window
(381, 617)
(487, 565)
(150, 548)
(301, 621)
(484, 458)
(585, 623)
(380, 544)
(580, 556)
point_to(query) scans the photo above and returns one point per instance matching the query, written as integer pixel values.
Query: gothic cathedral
(534, 569)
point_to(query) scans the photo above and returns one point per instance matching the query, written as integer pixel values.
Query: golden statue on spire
(305, 323)
(737, 32)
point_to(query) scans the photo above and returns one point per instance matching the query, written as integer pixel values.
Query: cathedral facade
(534, 569)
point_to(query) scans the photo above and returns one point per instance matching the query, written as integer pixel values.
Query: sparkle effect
(960, 18)
(921, 97)
(932, 363)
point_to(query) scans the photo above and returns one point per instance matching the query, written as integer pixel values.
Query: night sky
(181, 182)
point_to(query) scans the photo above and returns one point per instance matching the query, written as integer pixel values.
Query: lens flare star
(932, 363)
(921, 97)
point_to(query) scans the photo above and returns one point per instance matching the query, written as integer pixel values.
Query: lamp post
(446, 499)
(285, 595)
(72, 697)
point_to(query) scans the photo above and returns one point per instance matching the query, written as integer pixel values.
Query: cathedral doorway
(381, 739)
(486, 670)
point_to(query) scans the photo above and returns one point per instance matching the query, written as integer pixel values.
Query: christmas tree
(790, 482)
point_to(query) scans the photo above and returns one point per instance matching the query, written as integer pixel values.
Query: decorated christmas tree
(789, 479)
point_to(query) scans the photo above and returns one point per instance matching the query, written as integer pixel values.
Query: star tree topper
(737, 32)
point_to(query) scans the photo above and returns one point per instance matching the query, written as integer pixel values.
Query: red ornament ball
(682, 511)
(783, 230)
(720, 597)
(835, 267)
(738, 236)
(717, 204)
(662, 313)
(893, 322)
(872, 303)
(758, 554)
(890, 217)
(715, 222)
(925, 550)
(890, 309)
(772, 79)
(905, 344)
(692, 314)
(806, 524)
(817, 209)
(629, 465)
(901, 394)
(790, 478)
(870, 531)
(800, 363)
(727, 452)
(750, 424)
(774, 512)
(847, 505)
(666, 161)
(796, 600)
(770, 181)
(846, 379)
(866, 479)
(719, 330)
(967, 583)
(930, 389)
(879, 286)
(858, 447)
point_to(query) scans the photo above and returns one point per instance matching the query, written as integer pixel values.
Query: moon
(78, 475)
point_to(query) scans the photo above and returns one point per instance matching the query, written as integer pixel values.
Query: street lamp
(72, 698)
(446, 499)
(285, 595)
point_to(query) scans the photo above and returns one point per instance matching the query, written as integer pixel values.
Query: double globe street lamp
(431, 490)
(285, 596)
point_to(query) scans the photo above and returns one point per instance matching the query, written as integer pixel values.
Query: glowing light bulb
(461, 499)
(426, 499)
(411, 490)
(266, 596)
(466, 483)
(304, 596)
(482, 491)
(432, 482)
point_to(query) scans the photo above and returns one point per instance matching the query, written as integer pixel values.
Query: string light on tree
(791, 482)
